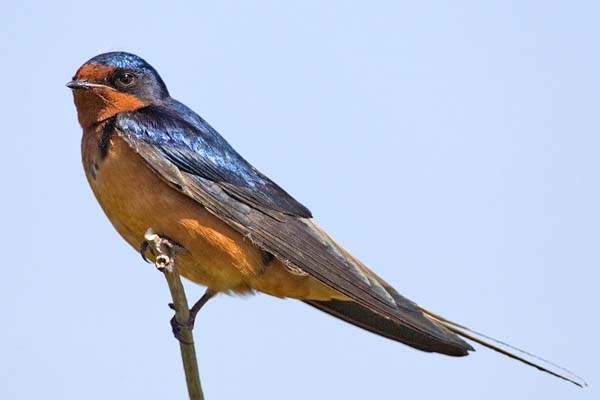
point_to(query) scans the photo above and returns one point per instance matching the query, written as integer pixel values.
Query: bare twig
(165, 252)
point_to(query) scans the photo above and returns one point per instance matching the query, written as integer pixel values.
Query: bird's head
(113, 83)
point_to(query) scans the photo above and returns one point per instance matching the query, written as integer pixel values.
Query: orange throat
(98, 104)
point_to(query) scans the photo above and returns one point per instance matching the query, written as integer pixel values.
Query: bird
(153, 162)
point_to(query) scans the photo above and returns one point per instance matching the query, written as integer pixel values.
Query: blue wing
(192, 158)
(190, 143)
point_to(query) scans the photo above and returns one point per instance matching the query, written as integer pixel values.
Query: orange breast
(134, 198)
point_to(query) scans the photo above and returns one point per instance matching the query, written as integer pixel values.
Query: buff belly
(134, 199)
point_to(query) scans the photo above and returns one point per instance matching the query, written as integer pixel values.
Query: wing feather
(298, 242)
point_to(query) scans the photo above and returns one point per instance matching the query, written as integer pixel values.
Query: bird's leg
(164, 250)
(189, 324)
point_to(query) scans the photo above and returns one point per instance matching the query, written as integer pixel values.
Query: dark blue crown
(120, 59)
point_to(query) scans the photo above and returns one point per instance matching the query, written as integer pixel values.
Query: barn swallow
(153, 162)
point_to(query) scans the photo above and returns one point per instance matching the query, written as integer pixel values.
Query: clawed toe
(179, 327)
(143, 249)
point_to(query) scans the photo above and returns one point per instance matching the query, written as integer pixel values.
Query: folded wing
(277, 223)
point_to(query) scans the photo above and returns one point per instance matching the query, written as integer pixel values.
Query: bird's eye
(125, 79)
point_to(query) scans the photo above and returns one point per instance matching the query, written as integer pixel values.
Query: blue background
(452, 146)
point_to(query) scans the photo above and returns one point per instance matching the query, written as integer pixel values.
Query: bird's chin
(100, 102)
(90, 106)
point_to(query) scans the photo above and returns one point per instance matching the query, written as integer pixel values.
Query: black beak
(77, 84)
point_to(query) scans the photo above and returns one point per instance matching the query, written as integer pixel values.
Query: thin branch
(165, 252)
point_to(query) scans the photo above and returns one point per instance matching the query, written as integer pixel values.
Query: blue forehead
(120, 59)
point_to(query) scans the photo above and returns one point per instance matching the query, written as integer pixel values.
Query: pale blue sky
(452, 146)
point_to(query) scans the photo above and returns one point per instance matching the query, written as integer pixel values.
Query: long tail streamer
(488, 342)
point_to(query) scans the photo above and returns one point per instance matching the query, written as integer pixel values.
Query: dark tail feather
(509, 351)
(364, 318)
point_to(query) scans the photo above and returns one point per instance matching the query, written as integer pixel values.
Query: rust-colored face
(98, 98)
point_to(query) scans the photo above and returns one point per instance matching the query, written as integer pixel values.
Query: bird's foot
(179, 327)
(161, 247)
